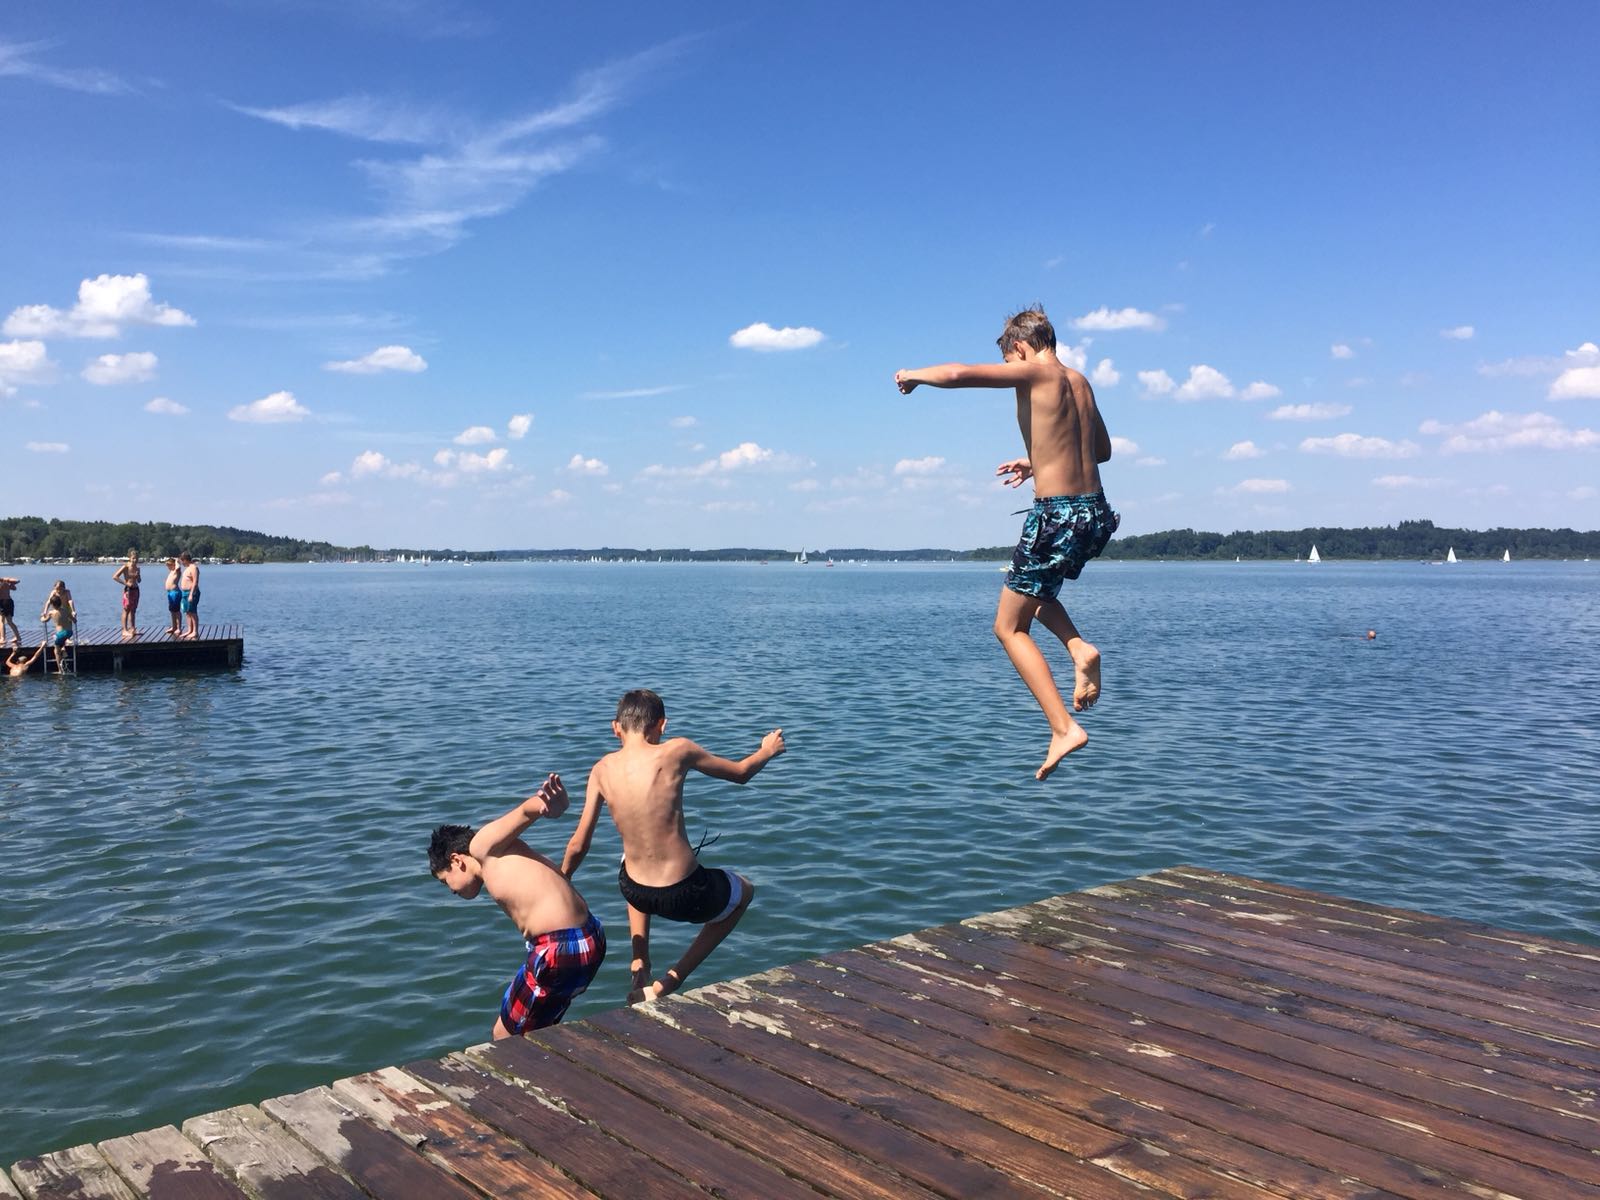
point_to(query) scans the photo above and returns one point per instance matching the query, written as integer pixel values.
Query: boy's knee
(747, 893)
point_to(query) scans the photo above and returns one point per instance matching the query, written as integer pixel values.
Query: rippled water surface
(215, 884)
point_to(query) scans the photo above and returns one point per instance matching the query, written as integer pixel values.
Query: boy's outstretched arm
(700, 759)
(965, 375)
(549, 801)
(578, 843)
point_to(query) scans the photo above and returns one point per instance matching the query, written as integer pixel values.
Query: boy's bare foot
(1086, 668)
(1061, 745)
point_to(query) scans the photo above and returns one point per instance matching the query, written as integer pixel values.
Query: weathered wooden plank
(8, 1190)
(692, 1153)
(448, 1136)
(1450, 970)
(380, 1162)
(1035, 1067)
(165, 1165)
(1229, 1073)
(1000, 1093)
(856, 1126)
(586, 1152)
(1429, 947)
(829, 1167)
(1478, 1045)
(1489, 938)
(1478, 1120)
(266, 1158)
(77, 1173)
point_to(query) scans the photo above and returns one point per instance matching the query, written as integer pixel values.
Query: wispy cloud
(1496, 431)
(1106, 320)
(1399, 482)
(384, 358)
(762, 336)
(1458, 333)
(1308, 412)
(1340, 350)
(17, 62)
(1257, 487)
(1354, 445)
(165, 407)
(1243, 450)
(111, 369)
(745, 456)
(1261, 390)
(475, 435)
(579, 465)
(634, 393)
(276, 409)
(49, 447)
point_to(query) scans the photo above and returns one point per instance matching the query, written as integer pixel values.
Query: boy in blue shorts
(564, 940)
(1070, 522)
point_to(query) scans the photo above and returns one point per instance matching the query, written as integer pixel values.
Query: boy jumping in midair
(660, 874)
(564, 940)
(1070, 521)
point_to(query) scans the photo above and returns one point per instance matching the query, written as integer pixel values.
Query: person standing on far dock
(1070, 521)
(8, 611)
(128, 576)
(174, 598)
(189, 584)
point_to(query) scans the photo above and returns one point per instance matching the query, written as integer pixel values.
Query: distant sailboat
(1451, 556)
(1313, 557)
(1506, 557)
(801, 557)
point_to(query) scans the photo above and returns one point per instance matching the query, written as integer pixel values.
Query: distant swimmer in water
(18, 663)
(1372, 635)
(1069, 523)
(661, 875)
(565, 941)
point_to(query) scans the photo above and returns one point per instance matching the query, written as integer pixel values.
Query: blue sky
(489, 275)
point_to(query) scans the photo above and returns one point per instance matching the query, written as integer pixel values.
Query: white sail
(1506, 557)
(1451, 556)
(1313, 556)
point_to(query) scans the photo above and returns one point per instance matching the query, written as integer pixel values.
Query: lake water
(215, 884)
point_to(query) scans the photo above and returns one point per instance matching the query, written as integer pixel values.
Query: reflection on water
(216, 885)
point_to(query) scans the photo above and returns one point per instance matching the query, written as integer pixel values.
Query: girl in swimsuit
(128, 576)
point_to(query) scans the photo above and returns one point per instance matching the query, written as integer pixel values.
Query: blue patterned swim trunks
(1059, 535)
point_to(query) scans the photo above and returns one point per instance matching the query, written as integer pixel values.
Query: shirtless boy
(174, 597)
(8, 610)
(58, 607)
(1070, 521)
(189, 584)
(660, 875)
(18, 663)
(564, 940)
(128, 575)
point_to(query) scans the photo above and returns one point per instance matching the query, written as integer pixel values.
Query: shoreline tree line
(40, 538)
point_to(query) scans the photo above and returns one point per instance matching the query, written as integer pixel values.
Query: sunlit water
(215, 884)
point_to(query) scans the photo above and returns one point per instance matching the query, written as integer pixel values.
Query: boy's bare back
(1060, 426)
(643, 784)
(531, 889)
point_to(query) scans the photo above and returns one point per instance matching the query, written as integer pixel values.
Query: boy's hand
(903, 381)
(1018, 471)
(552, 795)
(772, 744)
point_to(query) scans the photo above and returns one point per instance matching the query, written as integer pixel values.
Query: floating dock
(1183, 1034)
(103, 649)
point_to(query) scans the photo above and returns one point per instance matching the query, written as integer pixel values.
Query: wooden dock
(1184, 1034)
(103, 649)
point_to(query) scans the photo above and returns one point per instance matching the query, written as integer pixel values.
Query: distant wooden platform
(103, 649)
(1184, 1034)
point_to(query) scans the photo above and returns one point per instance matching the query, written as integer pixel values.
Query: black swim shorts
(705, 896)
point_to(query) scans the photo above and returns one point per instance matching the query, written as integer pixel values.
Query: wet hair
(185, 557)
(1030, 326)
(59, 585)
(448, 840)
(639, 710)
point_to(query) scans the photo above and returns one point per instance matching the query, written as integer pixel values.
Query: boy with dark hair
(1070, 521)
(660, 874)
(564, 940)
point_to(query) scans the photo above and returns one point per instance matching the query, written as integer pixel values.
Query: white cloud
(1242, 450)
(278, 408)
(121, 368)
(742, 457)
(1308, 412)
(1105, 374)
(1150, 460)
(49, 447)
(684, 422)
(473, 464)
(331, 479)
(368, 462)
(745, 454)
(474, 435)
(1586, 355)
(16, 63)
(1340, 350)
(1460, 333)
(1204, 383)
(384, 358)
(1395, 482)
(635, 393)
(105, 304)
(1354, 445)
(1076, 357)
(1261, 390)
(1156, 383)
(919, 466)
(1106, 320)
(1583, 492)
(24, 362)
(558, 496)
(762, 336)
(1577, 383)
(170, 408)
(1511, 431)
(517, 427)
(1122, 445)
(1258, 487)
(579, 465)
(805, 485)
